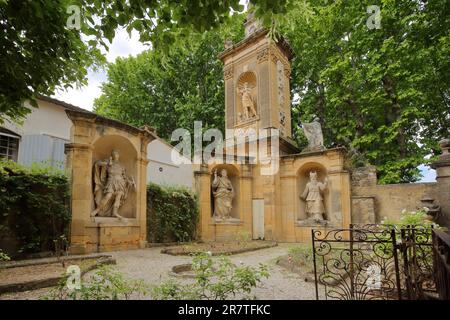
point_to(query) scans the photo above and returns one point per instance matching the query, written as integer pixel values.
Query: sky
(124, 46)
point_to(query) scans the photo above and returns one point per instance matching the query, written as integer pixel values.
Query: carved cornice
(228, 73)
(92, 118)
(77, 146)
(263, 55)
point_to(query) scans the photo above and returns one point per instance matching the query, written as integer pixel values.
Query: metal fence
(441, 259)
(373, 261)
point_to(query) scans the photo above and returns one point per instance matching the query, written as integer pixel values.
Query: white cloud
(429, 175)
(122, 46)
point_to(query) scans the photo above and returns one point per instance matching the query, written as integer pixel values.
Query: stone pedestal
(442, 167)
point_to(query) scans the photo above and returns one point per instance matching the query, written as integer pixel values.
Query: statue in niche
(313, 132)
(223, 193)
(313, 196)
(111, 186)
(248, 103)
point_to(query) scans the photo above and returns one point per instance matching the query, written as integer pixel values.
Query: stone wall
(372, 202)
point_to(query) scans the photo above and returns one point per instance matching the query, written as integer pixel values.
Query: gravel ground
(153, 267)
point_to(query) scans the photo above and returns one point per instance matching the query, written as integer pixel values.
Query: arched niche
(233, 175)
(102, 150)
(247, 81)
(303, 179)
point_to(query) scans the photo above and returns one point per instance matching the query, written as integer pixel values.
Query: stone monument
(248, 102)
(313, 132)
(223, 192)
(111, 186)
(107, 163)
(313, 196)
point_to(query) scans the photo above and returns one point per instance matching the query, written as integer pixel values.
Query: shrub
(34, 206)
(172, 214)
(214, 280)
(4, 256)
(105, 284)
(412, 218)
(302, 255)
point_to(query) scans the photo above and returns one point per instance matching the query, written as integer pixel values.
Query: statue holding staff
(111, 186)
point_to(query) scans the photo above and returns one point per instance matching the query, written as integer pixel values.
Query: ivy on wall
(34, 207)
(172, 214)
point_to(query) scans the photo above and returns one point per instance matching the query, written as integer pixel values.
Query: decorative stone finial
(444, 158)
(228, 44)
(445, 147)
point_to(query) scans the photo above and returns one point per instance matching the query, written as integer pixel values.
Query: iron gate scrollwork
(366, 262)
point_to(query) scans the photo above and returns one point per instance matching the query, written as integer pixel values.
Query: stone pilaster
(442, 167)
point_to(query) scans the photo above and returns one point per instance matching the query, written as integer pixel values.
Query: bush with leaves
(106, 283)
(34, 206)
(411, 218)
(172, 214)
(215, 279)
(4, 256)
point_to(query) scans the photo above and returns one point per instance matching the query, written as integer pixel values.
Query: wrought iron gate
(373, 262)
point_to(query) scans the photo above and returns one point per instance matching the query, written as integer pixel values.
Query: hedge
(34, 207)
(172, 214)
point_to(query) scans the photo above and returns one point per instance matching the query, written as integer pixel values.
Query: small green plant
(4, 256)
(301, 255)
(412, 218)
(243, 237)
(105, 284)
(215, 279)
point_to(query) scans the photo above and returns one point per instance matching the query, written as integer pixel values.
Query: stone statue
(248, 103)
(312, 194)
(313, 132)
(223, 193)
(111, 186)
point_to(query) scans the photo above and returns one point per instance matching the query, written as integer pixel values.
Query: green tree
(170, 91)
(382, 92)
(38, 53)
(41, 52)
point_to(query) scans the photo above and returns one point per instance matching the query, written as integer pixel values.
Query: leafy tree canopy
(40, 51)
(384, 93)
(381, 92)
(169, 91)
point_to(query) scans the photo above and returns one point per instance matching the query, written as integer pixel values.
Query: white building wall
(43, 133)
(161, 169)
(46, 129)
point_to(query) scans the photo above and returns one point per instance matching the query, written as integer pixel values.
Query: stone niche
(93, 139)
(233, 175)
(246, 85)
(290, 221)
(210, 228)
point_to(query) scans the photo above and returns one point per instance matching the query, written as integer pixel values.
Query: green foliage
(413, 219)
(215, 279)
(34, 206)
(39, 53)
(382, 93)
(105, 284)
(4, 256)
(170, 91)
(172, 214)
(243, 237)
(302, 255)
